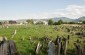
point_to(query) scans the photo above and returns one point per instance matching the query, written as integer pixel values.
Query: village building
(80, 22)
(12, 22)
(44, 22)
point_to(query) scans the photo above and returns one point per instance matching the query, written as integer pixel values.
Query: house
(45, 22)
(12, 22)
(41, 22)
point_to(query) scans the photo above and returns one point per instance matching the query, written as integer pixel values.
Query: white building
(44, 22)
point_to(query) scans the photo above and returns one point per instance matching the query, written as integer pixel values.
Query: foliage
(59, 22)
(30, 21)
(50, 22)
(71, 22)
(37, 34)
(55, 23)
(83, 22)
(39, 22)
(0, 23)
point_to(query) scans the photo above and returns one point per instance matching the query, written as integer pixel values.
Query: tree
(83, 22)
(71, 22)
(55, 23)
(50, 22)
(59, 22)
(30, 21)
(0, 23)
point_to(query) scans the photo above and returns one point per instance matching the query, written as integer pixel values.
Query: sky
(39, 9)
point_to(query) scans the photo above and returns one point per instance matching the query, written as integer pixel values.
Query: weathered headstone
(14, 33)
(65, 46)
(3, 48)
(38, 49)
(68, 38)
(12, 48)
(58, 46)
(8, 48)
(51, 50)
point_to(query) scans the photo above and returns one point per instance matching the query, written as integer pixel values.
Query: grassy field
(25, 46)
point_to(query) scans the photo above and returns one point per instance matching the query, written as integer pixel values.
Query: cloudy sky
(38, 9)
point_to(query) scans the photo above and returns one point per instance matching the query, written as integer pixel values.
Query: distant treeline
(8, 22)
(51, 22)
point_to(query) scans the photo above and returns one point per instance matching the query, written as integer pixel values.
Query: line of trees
(51, 22)
(83, 22)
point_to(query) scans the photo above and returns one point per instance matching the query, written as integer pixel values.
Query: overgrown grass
(36, 32)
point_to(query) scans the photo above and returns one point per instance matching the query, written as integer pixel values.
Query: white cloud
(71, 11)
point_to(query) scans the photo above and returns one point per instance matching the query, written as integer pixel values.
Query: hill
(80, 19)
(65, 19)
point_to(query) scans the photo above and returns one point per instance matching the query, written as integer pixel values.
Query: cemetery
(42, 40)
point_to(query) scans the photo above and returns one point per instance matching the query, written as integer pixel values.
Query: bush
(59, 22)
(30, 21)
(50, 22)
(83, 22)
(71, 22)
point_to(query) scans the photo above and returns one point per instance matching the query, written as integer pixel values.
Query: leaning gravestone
(84, 50)
(65, 46)
(12, 47)
(51, 50)
(3, 48)
(7, 47)
(38, 48)
(14, 33)
(58, 46)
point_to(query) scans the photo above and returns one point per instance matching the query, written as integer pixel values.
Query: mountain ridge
(55, 19)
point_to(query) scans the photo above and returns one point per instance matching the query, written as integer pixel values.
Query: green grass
(36, 32)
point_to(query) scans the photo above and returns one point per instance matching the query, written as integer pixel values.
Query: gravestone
(14, 33)
(58, 46)
(38, 48)
(8, 47)
(51, 50)
(65, 46)
(12, 47)
(3, 48)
